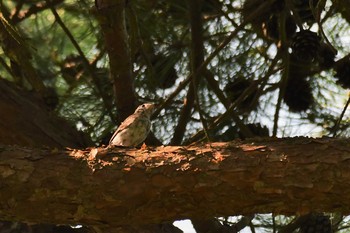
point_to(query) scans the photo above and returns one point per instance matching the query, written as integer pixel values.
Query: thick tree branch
(118, 186)
(25, 121)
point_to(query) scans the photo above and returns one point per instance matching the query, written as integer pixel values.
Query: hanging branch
(105, 99)
(185, 114)
(218, 92)
(285, 74)
(230, 111)
(336, 127)
(196, 59)
(197, 54)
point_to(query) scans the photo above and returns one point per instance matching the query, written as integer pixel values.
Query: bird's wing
(125, 124)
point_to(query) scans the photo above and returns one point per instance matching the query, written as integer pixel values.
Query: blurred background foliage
(285, 71)
(160, 37)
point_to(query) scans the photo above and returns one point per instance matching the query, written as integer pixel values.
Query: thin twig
(197, 51)
(215, 87)
(200, 69)
(285, 74)
(316, 12)
(230, 111)
(200, 112)
(336, 127)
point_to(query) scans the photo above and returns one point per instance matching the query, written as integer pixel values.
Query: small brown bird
(135, 128)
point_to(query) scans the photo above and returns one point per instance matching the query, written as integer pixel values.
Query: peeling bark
(119, 186)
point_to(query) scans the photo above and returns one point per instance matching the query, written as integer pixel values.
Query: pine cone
(343, 73)
(326, 56)
(164, 74)
(316, 223)
(298, 94)
(72, 68)
(305, 46)
(235, 89)
(257, 129)
(298, 68)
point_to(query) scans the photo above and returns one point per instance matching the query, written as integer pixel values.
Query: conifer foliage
(218, 70)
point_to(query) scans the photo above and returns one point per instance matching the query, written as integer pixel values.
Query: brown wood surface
(118, 186)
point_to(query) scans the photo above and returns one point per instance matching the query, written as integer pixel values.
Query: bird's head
(146, 109)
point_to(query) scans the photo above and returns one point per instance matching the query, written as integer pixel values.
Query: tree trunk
(118, 186)
(111, 17)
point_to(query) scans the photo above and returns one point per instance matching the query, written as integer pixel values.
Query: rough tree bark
(118, 186)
